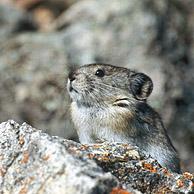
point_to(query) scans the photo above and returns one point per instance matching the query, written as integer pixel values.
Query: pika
(109, 104)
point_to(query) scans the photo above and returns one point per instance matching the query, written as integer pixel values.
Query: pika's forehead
(109, 69)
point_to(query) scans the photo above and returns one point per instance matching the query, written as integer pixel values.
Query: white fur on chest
(93, 124)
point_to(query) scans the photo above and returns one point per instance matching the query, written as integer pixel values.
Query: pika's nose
(72, 76)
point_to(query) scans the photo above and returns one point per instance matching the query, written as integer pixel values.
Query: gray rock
(155, 37)
(13, 21)
(34, 162)
(33, 74)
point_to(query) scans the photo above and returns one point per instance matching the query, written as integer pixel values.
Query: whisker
(105, 87)
(101, 94)
(102, 84)
(107, 91)
(96, 98)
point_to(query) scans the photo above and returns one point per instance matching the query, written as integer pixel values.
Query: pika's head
(102, 84)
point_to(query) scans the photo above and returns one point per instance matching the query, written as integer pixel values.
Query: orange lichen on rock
(188, 175)
(96, 145)
(104, 157)
(149, 167)
(91, 155)
(46, 157)
(25, 158)
(84, 147)
(180, 183)
(2, 172)
(166, 172)
(21, 140)
(23, 191)
(119, 191)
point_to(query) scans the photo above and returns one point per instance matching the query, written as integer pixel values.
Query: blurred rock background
(41, 40)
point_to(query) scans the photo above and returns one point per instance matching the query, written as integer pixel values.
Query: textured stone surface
(155, 37)
(34, 162)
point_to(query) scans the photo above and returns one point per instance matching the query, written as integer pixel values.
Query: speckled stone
(34, 162)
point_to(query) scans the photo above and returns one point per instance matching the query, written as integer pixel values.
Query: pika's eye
(99, 73)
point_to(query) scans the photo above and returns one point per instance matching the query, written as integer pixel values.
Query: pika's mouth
(70, 87)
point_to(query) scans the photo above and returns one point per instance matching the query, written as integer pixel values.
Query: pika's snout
(71, 79)
(76, 82)
(72, 76)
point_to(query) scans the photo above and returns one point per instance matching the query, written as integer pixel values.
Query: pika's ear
(141, 86)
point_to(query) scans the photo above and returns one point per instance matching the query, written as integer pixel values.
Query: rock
(43, 12)
(13, 21)
(155, 37)
(33, 74)
(34, 162)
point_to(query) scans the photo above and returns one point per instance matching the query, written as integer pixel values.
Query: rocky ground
(40, 41)
(34, 162)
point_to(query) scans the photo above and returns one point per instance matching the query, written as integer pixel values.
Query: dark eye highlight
(100, 73)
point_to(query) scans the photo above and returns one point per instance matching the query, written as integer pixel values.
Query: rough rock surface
(34, 162)
(156, 37)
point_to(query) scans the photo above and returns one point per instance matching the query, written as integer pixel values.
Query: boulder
(154, 37)
(35, 162)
